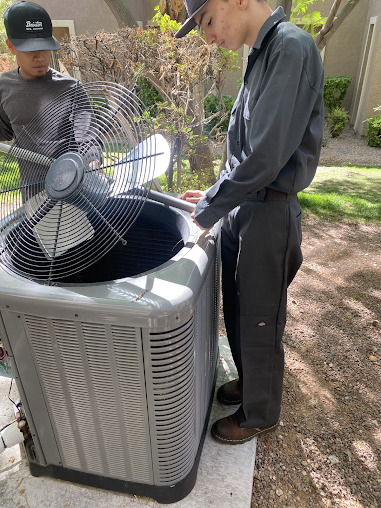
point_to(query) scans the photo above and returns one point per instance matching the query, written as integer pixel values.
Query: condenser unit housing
(115, 365)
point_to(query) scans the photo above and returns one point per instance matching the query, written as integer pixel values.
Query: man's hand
(94, 165)
(192, 196)
(197, 224)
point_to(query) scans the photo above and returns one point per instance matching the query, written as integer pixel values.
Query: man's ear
(242, 4)
(10, 46)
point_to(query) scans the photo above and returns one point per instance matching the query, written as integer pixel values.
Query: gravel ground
(348, 149)
(327, 450)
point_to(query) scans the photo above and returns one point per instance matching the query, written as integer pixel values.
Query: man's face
(222, 23)
(33, 64)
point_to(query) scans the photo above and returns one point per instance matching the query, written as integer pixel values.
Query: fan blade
(63, 227)
(130, 171)
(59, 228)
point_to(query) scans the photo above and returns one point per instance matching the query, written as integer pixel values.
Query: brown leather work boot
(228, 393)
(227, 431)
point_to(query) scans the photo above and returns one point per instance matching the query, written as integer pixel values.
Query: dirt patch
(327, 451)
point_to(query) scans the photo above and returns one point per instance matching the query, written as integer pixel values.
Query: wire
(9, 393)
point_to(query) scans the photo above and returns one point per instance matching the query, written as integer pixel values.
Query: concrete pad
(224, 480)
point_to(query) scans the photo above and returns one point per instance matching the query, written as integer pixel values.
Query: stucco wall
(368, 85)
(88, 16)
(151, 4)
(343, 51)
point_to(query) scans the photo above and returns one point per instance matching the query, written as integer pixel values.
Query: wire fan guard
(73, 181)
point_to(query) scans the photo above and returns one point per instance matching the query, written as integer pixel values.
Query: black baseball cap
(192, 7)
(29, 27)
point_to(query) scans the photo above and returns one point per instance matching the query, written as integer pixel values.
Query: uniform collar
(277, 16)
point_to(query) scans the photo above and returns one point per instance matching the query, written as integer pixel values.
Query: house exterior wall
(343, 51)
(88, 18)
(368, 84)
(151, 4)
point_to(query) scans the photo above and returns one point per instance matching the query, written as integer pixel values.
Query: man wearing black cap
(274, 142)
(28, 89)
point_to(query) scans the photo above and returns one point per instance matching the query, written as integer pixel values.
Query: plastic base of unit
(162, 494)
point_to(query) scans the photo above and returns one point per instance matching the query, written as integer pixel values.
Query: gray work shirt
(21, 99)
(276, 125)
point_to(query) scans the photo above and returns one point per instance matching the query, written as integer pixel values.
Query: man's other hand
(192, 196)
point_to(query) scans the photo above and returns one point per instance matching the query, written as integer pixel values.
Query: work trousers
(261, 254)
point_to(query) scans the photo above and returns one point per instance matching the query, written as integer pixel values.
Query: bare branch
(322, 38)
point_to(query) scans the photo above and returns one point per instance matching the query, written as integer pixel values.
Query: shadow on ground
(328, 451)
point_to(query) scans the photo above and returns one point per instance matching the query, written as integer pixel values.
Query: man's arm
(6, 131)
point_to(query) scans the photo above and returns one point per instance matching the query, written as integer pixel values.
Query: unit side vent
(45, 357)
(66, 336)
(133, 403)
(92, 376)
(172, 363)
(103, 394)
(206, 332)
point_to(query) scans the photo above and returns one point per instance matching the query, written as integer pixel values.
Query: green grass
(9, 175)
(347, 193)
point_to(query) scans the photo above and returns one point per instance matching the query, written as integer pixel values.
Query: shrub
(373, 133)
(335, 89)
(338, 120)
(212, 106)
(148, 94)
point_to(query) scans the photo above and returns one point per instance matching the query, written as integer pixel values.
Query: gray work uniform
(23, 101)
(274, 142)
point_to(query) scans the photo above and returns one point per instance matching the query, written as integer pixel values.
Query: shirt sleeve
(6, 131)
(276, 123)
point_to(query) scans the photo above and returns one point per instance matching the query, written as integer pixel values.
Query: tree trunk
(175, 9)
(286, 4)
(202, 160)
(333, 24)
(122, 13)
(224, 157)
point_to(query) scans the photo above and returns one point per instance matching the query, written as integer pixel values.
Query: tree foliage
(301, 14)
(3, 6)
(177, 68)
(322, 29)
(175, 9)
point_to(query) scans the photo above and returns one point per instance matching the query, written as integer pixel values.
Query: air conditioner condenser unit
(116, 364)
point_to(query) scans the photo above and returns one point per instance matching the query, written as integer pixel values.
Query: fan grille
(92, 143)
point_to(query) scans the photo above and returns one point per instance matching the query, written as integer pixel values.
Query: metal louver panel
(206, 333)
(133, 404)
(172, 371)
(50, 376)
(92, 377)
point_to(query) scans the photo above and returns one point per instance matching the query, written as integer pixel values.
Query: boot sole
(226, 402)
(223, 440)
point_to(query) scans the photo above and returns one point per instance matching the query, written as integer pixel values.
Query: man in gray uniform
(27, 90)
(274, 142)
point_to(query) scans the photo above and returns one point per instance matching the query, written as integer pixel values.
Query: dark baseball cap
(29, 27)
(192, 7)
